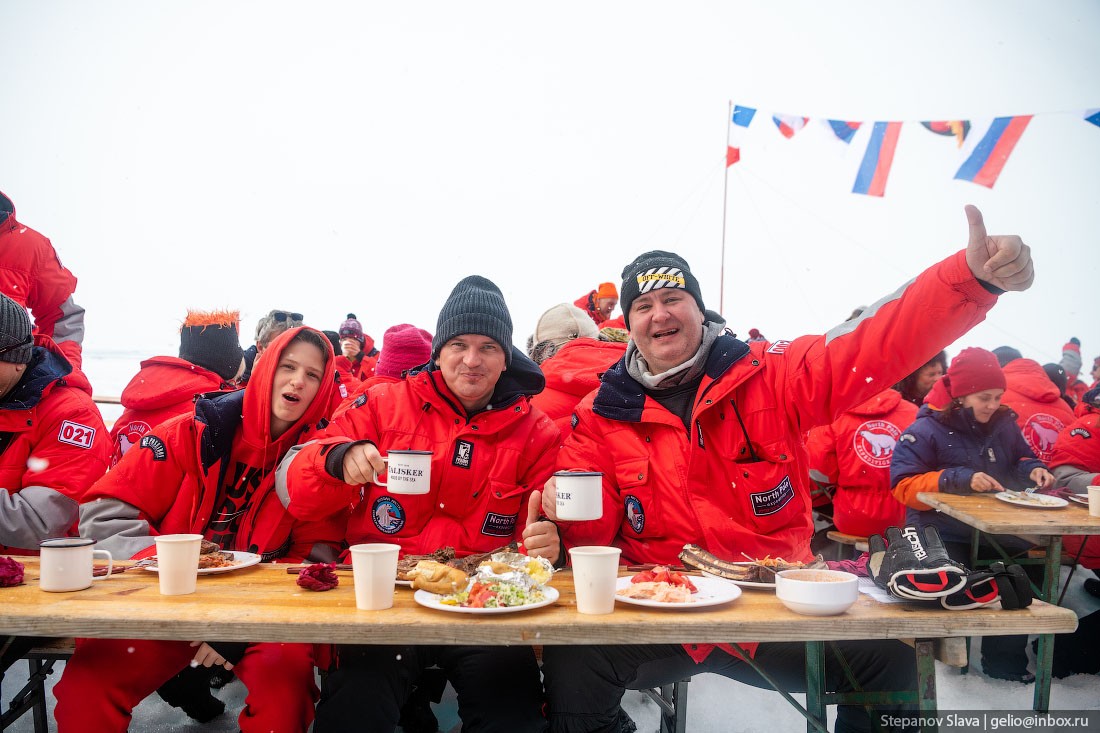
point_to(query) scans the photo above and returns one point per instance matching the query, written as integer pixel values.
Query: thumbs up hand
(539, 536)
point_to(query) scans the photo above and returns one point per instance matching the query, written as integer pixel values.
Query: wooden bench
(842, 540)
(32, 697)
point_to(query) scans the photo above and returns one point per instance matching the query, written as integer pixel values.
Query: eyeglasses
(282, 316)
(13, 347)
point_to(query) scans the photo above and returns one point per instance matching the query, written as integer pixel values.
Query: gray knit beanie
(15, 332)
(477, 306)
(653, 270)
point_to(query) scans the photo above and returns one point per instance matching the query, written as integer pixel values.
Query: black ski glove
(914, 567)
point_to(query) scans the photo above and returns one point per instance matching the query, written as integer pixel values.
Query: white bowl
(816, 592)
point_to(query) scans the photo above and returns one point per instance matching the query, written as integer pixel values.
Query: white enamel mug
(66, 564)
(409, 472)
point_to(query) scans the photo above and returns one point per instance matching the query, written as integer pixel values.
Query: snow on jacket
(853, 453)
(32, 275)
(165, 386)
(194, 472)
(53, 446)
(571, 373)
(942, 450)
(484, 466)
(1041, 413)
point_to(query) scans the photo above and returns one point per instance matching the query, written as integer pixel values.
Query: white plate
(240, 560)
(712, 592)
(431, 600)
(1082, 499)
(1033, 501)
(742, 583)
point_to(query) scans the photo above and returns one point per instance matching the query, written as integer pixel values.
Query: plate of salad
(489, 598)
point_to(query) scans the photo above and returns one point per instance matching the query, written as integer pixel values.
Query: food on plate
(660, 584)
(436, 577)
(1023, 497)
(211, 556)
(470, 563)
(206, 547)
(752, 571)
(505, 579)
(408, 562)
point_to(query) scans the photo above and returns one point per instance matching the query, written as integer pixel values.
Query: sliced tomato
(678, 579)
(478, 596)
(643, 577)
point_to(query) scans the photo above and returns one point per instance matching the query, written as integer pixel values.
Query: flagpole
(725, 187)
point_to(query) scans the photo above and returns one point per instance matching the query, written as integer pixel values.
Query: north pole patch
(770, 502)
(1080, 433)
(874, 441)
(155, 444)
(464, 454)
(635, 513)
(499, 525)
(388, 515)
(73, 433)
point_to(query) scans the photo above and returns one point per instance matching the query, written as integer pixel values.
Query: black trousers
(498, 687)
(584, 684)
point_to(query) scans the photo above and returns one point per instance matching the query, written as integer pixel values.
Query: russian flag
(987, 148)
(742, 116)
(844, 131)
(877, 159)
(789, 124)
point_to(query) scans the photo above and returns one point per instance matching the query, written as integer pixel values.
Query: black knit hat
(16, 346)
(211, 339)
(476, 305)
(654, 270)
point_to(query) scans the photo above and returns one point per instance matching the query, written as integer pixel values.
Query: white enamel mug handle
(110, 564)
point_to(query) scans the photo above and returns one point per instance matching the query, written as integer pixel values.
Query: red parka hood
(255, 433)
(1027, 377)
(167, 380)
(576, 367)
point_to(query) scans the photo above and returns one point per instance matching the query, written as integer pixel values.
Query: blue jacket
(957, 446)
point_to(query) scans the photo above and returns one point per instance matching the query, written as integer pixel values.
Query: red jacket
(484, 467)
(218, 461)
(58, 447)
(1078, 448)
(1041, 413)
(32, 275)
(853, 452)
(571, 373)
(731, 490)
(587, 303)
(363, 367)
(164, 387)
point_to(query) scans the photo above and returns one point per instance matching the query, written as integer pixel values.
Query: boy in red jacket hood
(211, 472)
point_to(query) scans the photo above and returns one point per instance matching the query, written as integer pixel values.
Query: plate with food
(747, 573)
(1082, 499)
(504, 583)
(664, 588)
(1032, 501)
(219, 561)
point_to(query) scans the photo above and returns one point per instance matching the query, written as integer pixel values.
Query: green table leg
(1044, 655)
(815, 683)
(926, 683)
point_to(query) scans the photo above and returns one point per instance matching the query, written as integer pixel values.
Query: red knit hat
(974, 370)
(404, 346)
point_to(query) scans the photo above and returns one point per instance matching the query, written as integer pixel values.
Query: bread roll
(435, 577)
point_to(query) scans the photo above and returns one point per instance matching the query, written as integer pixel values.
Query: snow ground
(716, 705)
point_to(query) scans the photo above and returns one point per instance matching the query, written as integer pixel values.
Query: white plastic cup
(579, 495)
(1094, 501)
(178, 563)
(595, 570)
(374, 570)
(66, 564)
(409, 472)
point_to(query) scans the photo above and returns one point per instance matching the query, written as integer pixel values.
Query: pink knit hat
(404, 346)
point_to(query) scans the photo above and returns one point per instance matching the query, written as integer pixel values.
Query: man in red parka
(211, 472)
(1075, 464)
(699, 439)
(470, 406)
(53, 445)
(1041, 413)
(852, 453)
(210, 359)
(32, 275)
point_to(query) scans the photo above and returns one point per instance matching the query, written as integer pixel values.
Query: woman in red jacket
(211, 472)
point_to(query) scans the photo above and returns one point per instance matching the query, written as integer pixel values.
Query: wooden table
(988, 514)
(263, 603)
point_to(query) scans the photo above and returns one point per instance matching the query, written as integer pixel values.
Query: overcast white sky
(348, 156)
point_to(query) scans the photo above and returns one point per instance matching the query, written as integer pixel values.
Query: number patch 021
(76, 434)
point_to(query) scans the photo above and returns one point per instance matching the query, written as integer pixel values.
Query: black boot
(416, 713)
(190, 692)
